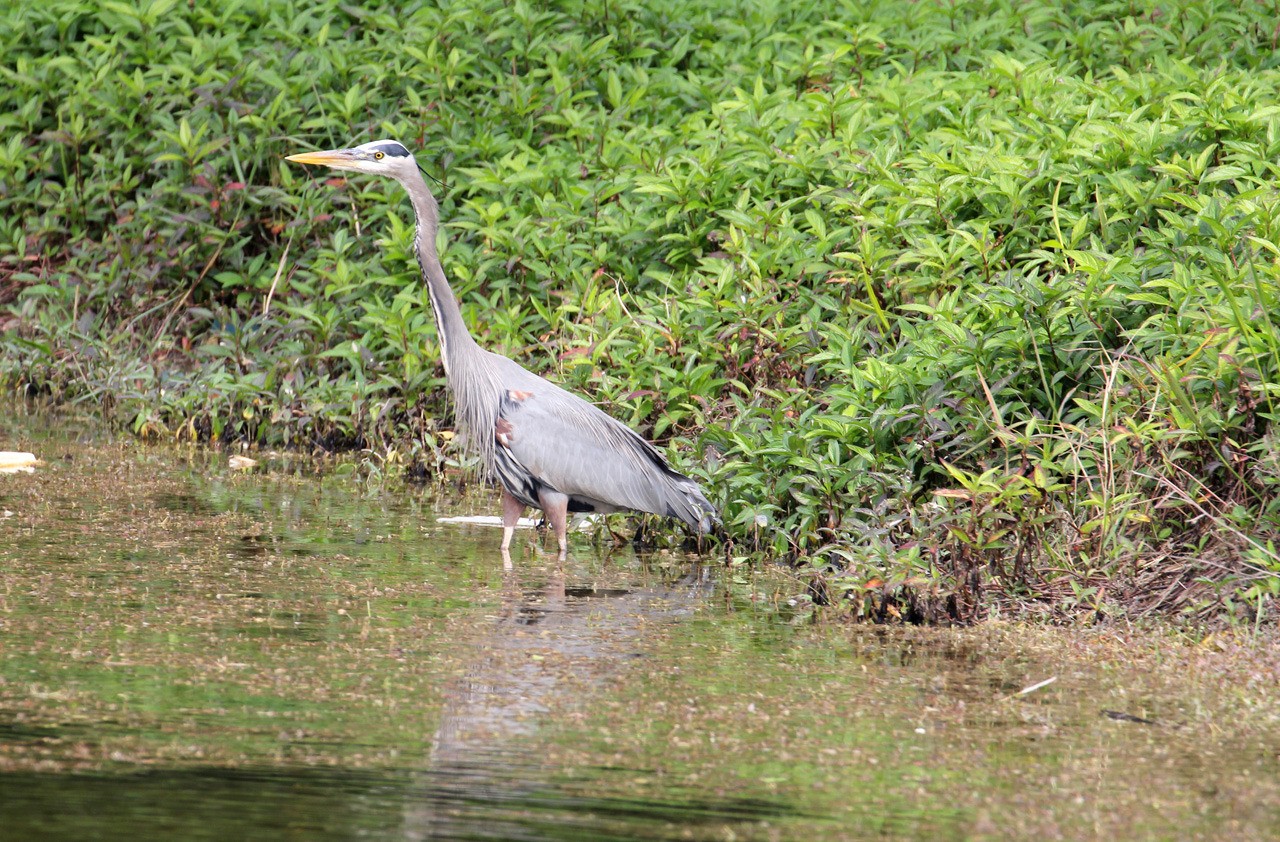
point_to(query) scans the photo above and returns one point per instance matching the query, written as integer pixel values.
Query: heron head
(380, 157)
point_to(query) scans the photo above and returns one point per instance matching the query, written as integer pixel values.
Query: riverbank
(959, 311)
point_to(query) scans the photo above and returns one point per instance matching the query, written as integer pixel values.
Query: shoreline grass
(958, 307)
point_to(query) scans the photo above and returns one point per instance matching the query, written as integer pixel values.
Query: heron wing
(554, 438)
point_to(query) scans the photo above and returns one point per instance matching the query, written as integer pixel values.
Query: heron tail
(694, 508)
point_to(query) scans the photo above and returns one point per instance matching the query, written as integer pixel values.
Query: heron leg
(511, 511)
(556, 508)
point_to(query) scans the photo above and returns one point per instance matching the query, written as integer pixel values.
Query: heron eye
(378, 156)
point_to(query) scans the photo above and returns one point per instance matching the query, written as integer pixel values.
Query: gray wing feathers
(575, 448)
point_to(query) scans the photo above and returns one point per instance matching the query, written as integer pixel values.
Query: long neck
(470, 372)
(455, 342)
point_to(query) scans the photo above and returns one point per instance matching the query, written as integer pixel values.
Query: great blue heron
(548, 448)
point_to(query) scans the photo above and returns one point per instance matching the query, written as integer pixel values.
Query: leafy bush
(958, 304)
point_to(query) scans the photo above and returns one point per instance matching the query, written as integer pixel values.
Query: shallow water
(191, 652)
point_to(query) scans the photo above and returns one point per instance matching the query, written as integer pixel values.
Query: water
(191, 652)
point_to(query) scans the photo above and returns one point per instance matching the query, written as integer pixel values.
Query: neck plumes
(471, 376)
(454, 336)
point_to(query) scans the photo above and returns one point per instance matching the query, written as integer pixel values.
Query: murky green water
(190, 652)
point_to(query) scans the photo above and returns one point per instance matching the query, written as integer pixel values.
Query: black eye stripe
(394, 150)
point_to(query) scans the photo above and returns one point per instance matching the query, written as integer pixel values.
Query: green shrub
(956, 303)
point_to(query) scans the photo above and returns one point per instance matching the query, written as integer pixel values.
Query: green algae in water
(192, 652)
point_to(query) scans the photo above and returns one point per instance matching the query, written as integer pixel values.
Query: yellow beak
(332, 158)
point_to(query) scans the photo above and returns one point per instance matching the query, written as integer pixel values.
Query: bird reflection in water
(550, 644)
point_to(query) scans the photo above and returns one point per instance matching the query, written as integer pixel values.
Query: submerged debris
(582, 523)
(15, 462)
(1121, 716)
